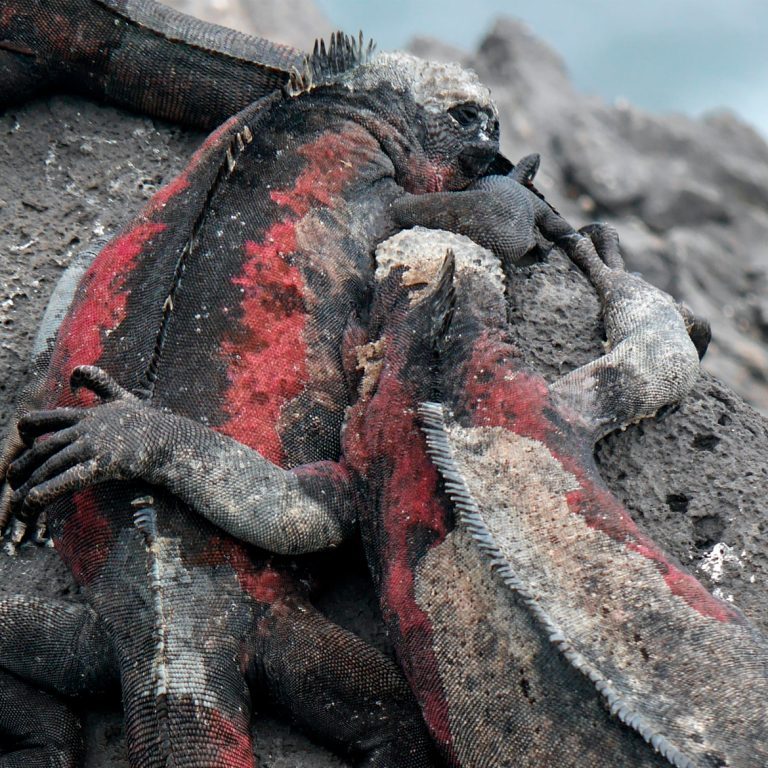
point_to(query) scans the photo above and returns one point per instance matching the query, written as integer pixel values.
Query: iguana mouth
(477, 157)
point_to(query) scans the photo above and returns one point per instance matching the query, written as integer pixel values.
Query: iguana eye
(465, 114)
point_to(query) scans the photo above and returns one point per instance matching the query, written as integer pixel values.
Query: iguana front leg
(501, 213)
(308, 508)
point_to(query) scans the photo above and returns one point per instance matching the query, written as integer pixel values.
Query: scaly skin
(522, 600)
(571, 653)
(226, 308)
(137, 54)
(226, 303)
(192, 618)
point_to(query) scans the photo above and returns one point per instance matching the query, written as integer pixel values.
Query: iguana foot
(653, 346)
(502, 213)
(605, 240)
(89, 445)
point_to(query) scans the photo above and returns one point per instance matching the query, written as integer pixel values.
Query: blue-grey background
(680, 55)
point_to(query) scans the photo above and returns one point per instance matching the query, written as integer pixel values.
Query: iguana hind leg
(36, 729)
(48, 648)
(651, 361)
(339, 688)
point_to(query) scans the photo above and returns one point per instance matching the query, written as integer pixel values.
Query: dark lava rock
(689, 197)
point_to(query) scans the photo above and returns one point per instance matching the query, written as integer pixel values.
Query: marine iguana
(227, 306)
(146, 517)
(536, 623)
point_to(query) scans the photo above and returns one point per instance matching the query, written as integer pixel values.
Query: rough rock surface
(689, 199)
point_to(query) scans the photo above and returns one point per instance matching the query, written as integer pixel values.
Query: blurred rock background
(688, 196)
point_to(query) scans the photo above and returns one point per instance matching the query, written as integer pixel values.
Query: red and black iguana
(229, 308)
(536, 624)
(465, 731)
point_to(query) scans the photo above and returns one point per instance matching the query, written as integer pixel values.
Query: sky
(688, 56)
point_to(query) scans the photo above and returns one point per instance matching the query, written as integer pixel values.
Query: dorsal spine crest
(237, 145)
(145, 520)
(324, 65)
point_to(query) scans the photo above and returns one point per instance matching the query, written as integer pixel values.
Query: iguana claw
(82, 450)
(12, 449)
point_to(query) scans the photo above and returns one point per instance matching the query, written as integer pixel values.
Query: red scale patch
(161, 198)
(333, 160)
(233, 741)
(99, 307)
(267, 366)
(267, 361)
(264, 583)
(87, 537)
(386, 426)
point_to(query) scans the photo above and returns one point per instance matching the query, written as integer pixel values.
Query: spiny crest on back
(326, 63)
(351, 61)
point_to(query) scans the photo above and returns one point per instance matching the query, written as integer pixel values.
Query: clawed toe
(5, 506)
(15, 536)
(698, 329)
(581, 251)
(41, 536)
(606, 242)
(526, 169)
(12, 449)
(39, 423)
(595, 250)
(99, 382)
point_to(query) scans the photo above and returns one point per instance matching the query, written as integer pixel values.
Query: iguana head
(438, 119)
